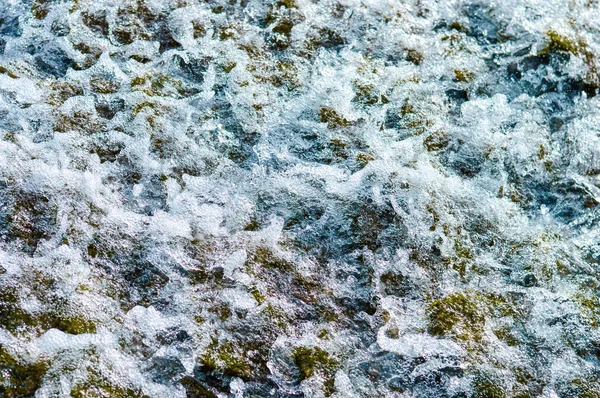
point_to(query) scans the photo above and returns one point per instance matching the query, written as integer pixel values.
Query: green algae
(459, 315)
(323, 38)
(584, 387)
(61, 90)
(222, 310)
(463, 75)
(506, 335)
(459, 27)
(258, 296)
(152, 107)
(286, 75)
(436, 141)
(339, 148)
(75, 325)
(414, 56)
(31, 218)
(561, 43)
(98, 386)
(284, 27)
(487, 387)
(195, 389)
(19, 378)
(229, 66)
(8, 72)
(366, 94)
(364, 159)
(40, 8)
(15, 319)
(265, 257)
(315, 361)
(392, 332)
(394, 284)
(103, 85)
(160, 85)
(227, 358)
(80, 121)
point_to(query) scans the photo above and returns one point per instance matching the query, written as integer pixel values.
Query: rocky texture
(295, 198)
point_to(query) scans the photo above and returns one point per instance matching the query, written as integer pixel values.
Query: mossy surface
(436, 141)
(97, 386)
(484, 386)
(282, 198)
(460, 315)
(333, 118)
(18, 378)
(224, 358)
(315, 361)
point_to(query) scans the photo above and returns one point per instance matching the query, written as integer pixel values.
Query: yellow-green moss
(338, 147)
(228, 67)
(40, 8)
(104, 86)
(506, 335)
(76, 325)
(258, 296)
(18, 378)
(486, 387)
(333, 118)
(227, 358)
(459, 315)
(462, 316)
(463, 75)
(364, 158)
(264, 257)
(327, 314)
(315, 361)
(463, 256)
(6, 71)
(159, 85)
(561, 43)
(99, 386)
(276, 315)
(590, 308)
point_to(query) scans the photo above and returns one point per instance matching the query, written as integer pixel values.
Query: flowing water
(296, 198)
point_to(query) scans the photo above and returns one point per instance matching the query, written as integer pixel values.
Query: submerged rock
(290, 198)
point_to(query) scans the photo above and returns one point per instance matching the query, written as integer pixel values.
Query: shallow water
(299, 199)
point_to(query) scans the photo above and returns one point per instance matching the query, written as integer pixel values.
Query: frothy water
(299, 198)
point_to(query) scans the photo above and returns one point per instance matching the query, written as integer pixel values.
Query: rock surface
(298, 198)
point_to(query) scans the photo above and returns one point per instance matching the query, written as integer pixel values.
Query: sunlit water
(299, 198)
